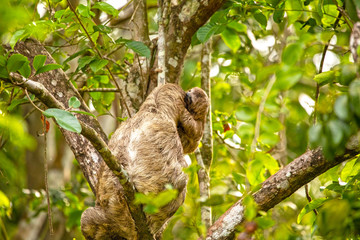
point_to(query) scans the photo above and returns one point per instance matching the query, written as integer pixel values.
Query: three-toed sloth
(151, 147)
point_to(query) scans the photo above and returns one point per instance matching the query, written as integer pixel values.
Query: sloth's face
(197, 102)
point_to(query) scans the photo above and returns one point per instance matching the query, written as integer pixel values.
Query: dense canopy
(280, 149)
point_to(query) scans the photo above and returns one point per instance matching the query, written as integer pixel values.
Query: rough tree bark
(205, 157)
(280, 186)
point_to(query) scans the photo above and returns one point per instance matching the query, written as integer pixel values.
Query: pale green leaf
(205, 32)
(314, 204)
(238, 26)
(292, 53)
(49, 67)
(354, 92)
(85, 61)
(231, 39)
(324, 77)
(18, 35)
(260, 18)
(341, 107)
(337, 134)
(293, 10)
(15, 62)
(255, 172)
(139, 47)
(39, 61)
(98, 64)
(74, 102)
(105, 7)
(65, 119)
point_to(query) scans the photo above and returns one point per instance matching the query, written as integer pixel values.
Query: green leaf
(255, 172)
(25, 70)
(5, 204)
(39, 61)
(239, 27)
(246, 114)
(17, 102)
(59, 14)
(85, 11)
(350, 169)
(165, 197)
(324, 77)
(265, 222)
(279, 13)
(292, 53)
(341, 107)
(65, 119)
(231, 39)
(348, 74)
(315, 133)
(105, 7)
(310, 207)
(273, 3)
(260, 18)
(331, 10)
(294, 10)
(85, 61)
(286, 78)
(214, 200)
(49, 67)
(74, 102)
(250, 208)
(102, 28)
(268, 161)
(98, 64)
(18, 35)
(139, 47)
(337, 134)
(15, 62)
(220, 17)
(354, 92)
(205, 32)
(3, 70)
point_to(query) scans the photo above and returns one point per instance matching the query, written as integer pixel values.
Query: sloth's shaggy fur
(151, 147)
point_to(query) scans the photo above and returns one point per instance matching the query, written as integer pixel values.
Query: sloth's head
(197, 103)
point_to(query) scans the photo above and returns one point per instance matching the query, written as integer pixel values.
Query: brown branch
(99, 90)
(204, 156)
(163, 17)
(99, 144)
(280, 186)
(184, 20)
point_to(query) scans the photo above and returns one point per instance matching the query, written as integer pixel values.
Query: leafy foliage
(267, 65)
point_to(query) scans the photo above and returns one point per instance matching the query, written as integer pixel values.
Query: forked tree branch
(185, 18)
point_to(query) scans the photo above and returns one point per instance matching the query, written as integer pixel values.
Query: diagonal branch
(99, 144)
(280, 186)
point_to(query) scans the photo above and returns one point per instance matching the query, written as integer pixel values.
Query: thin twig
(46, 171)
(259, 113)
(308, 197)
(32, 103)
(99, 90)
(45, 167)
(343, 13)
(100, 55)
